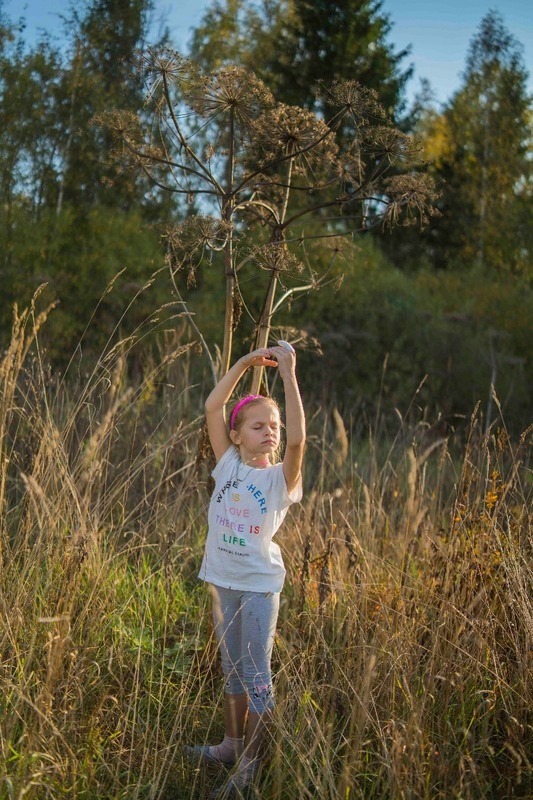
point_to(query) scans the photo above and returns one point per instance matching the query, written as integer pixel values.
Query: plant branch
(206, 173)
(278, 161)
(195, 328)
(263, 204)
(229, 267)
(339, 201)
(311, 188)
(285, 296)
(314, 285)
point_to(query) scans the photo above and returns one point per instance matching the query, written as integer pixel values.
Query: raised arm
(294, 417)
(215, 403)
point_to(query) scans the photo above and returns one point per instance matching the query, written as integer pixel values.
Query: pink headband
(240, 404)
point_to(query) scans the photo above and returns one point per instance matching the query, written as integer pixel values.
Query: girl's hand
(260, 358)
(286, 361)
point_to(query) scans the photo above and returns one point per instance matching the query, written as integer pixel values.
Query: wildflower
(298, 337)
(197, 230)
(493, 493)
(122, 123)
(412, 195)
(187, 242)
(491, 498)
(230, 90)
(355, 101)
(276, 258)
(390, 144)
(285, 130)
(350, 167)
(163, 67)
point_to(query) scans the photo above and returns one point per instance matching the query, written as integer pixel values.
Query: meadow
(403, 655)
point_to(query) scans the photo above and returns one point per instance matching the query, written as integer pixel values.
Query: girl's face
(258, 434)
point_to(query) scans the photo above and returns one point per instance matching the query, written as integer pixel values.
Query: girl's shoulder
(230, 457)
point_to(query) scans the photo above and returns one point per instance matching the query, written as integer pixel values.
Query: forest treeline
(437, 313)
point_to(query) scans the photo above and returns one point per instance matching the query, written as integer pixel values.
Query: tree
(484, 159)
(31, 136)
(255, 162)
(29, 131)
(410, 248)
(294, 46)
(99, 76)
(71, 217)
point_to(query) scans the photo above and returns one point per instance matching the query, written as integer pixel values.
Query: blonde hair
(235, 422)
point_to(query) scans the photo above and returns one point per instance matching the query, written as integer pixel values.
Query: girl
(241, 563)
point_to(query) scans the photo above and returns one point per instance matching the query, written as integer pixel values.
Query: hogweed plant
(267, 178)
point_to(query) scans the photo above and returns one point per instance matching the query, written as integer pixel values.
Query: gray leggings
(245, 625)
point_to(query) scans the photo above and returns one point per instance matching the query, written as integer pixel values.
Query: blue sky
(438, 32)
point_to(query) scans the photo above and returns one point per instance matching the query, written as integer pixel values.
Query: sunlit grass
(403, 651)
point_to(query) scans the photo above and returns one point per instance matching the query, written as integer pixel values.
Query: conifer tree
(484, 157)
(295, 46)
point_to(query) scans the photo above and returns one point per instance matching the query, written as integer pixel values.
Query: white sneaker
(202, 752)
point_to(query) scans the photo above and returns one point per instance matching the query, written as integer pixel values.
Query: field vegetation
(406, 622)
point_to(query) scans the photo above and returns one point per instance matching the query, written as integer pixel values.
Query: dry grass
(406, 622)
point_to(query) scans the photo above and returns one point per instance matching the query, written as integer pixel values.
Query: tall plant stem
(229, 266)
(263, 330)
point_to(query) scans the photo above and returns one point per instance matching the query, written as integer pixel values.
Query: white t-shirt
(247, 507)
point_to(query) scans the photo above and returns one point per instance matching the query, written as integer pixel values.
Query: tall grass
(406, 622)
